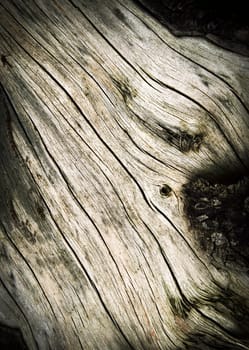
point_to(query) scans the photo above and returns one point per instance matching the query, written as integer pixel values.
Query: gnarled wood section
(104, 117)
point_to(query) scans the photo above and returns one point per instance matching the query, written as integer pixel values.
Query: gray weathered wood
(105, 116)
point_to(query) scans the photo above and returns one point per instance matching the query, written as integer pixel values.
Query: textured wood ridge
(104, 117)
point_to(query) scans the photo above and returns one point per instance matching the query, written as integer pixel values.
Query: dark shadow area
(11, 339)
(219, 215)
(224, 22)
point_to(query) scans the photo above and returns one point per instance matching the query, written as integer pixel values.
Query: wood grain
(100, 108)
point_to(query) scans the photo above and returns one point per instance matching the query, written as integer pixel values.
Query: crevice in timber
(186, 305)
(188, 58)
(168, 165)
(31, 270)
(74, 253)
(111, 45)
(22, 313)
(92, 127)
(181, 234)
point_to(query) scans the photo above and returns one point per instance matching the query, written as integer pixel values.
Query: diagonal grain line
(109, 43)
(76, 199)
(141, 190)
(74, 130)
(93, 78)
(235, 346)
(49, 346)
(30, 34)
(30, 268)
(223, 330)
(184, 56)
(186, 302)
(101, 170)
(203, 108)
(82, 266)
(76, 333)
(188, 244)
(168, 265)
(226, 117)
(148, 262)
(149, 282)
(72, 57)
(83, 307)
(91, 126)
(121, 163)
(150, 154)
(141, 303)
(143, 150)
(109, 314)
(133, 306)
(56, 58)
(123, 206)
(21, 311)
(183, 237)
(81, 303)
(157, 308)
(77, 258)
(21, 125)
(173, 49)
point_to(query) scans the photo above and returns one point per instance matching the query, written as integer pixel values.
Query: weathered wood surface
(105, 116)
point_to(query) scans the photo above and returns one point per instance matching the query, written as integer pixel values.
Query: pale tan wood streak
(96, 99)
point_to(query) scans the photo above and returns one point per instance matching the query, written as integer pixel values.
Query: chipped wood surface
(105, 116)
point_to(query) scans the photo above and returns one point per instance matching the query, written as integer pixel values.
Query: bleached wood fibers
(104, 117)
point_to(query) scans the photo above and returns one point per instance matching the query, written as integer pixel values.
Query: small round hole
(165, 190)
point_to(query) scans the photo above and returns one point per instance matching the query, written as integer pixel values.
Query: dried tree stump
(124, 207)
